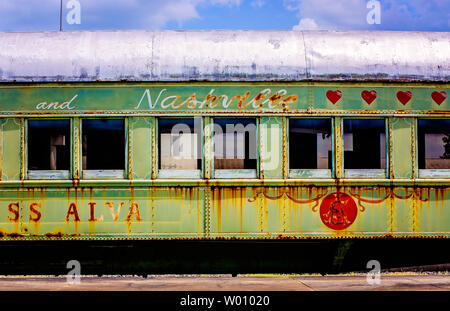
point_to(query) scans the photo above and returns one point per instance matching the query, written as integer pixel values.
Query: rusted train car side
(138, 84)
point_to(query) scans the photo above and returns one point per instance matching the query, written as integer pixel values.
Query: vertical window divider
(75, 146)
(128, 143)
(207, 159)
(338, 148)
(130, 128)
(212, 145)
(414, 153)
(1, 148)
(389, 142)
(258, 143)
(285, 143)
(154, 148)
(23, 148)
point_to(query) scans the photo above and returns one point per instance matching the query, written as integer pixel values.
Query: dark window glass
(364, 144)
(103, 144)
(235, 144)
(310, 144)
(434, 144)
(49, 145)
(179, 144)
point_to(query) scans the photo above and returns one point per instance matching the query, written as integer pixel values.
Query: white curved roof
(224, 56)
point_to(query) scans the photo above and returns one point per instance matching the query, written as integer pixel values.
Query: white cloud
(329, 14)
(227, 2)
(424, 15)
(38, 15)
(258, 3)
(140, 14)
(41, 15)
(306, 24)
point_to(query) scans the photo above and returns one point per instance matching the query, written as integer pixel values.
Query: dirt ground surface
(388, 282)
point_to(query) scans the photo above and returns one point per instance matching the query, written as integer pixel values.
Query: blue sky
(43, 15)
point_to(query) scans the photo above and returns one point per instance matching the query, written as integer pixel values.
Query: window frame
(428, 173)
(382, 173)
(311, 173)
(179, 174)
(104, 174)
(48, 174)
(236, 173)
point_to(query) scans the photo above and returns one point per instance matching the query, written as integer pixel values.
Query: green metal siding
(276, 204)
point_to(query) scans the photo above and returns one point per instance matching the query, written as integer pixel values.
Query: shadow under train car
(134, 257)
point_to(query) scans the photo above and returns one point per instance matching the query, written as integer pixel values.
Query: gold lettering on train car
(56, 105)
(274, 100)
(147, 94)
(241, 100)
(291, 99)
(114, 215)
(34, 209)
(92, 212)
(72, 211)
(172, 103)
(225, 102)
(260, 96)
(134, 209)
(210, 100)
(14, 211)
(191, 101)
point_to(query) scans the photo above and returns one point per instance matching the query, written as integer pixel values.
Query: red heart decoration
(369, 96)
(404, 97)
(334, 96)
(439, 97)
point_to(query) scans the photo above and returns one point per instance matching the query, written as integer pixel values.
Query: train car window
(235, 145)
(434, 144)
(48, 145)
(310, 144)
(103, 144)
(179, 146)
(365, 144)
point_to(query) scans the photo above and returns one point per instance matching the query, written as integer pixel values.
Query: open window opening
(48, 145)
(179, 146)
(434, 144)
(235, 146)
(103, 144)
(310, 144)
(365, 144)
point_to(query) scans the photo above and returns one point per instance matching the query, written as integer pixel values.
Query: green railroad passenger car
(224, 135)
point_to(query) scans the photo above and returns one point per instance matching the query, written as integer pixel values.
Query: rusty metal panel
(224, 212)
(102, 213)
(232, 215)
(271, 147)
(194, 99)
(140, 146)
(177, 211)
(402, 139)
(11, 148)
(303, 212)
(432, 215)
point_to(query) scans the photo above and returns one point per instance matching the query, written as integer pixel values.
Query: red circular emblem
(338, 211)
